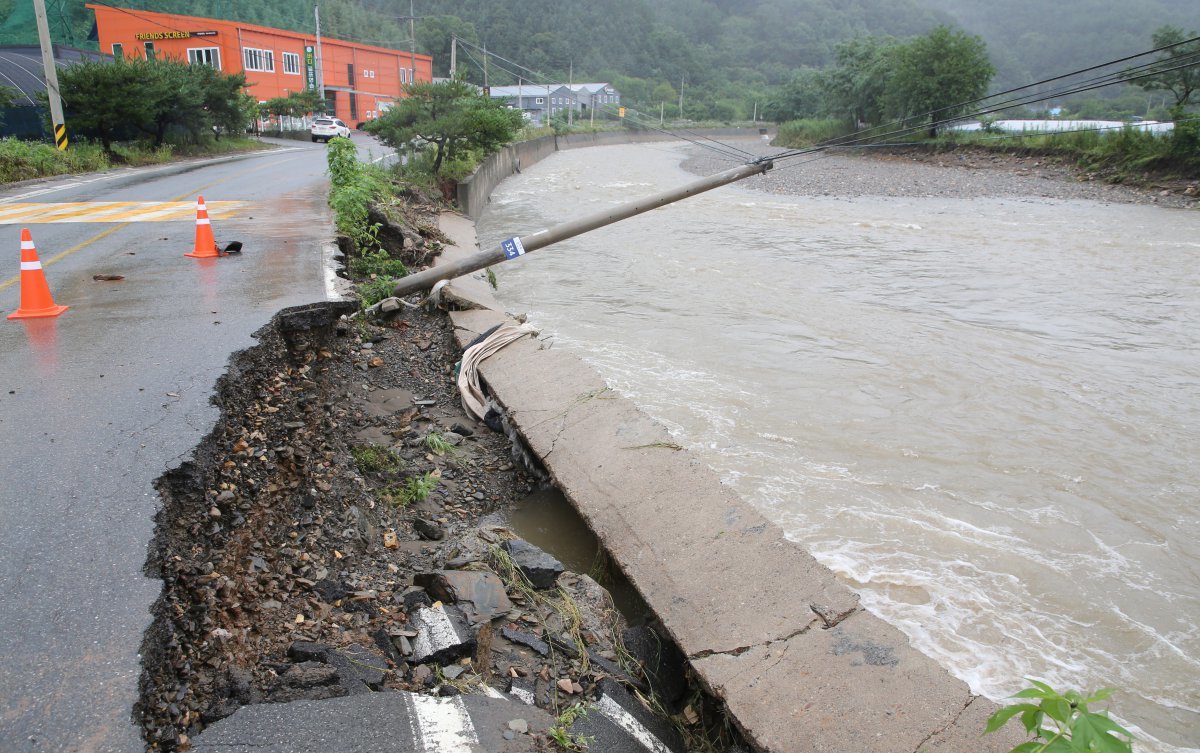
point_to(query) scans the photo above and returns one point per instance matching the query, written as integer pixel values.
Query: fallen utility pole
(514, 247)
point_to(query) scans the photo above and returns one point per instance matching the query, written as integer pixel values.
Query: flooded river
(983, 415)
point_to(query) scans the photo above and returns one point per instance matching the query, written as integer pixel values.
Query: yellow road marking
(113, 211)
(100, 236)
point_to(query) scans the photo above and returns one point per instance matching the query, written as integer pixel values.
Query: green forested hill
(726, 53)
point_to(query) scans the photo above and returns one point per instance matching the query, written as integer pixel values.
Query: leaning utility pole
(412, 44)
(52, 92)
(453, 55)
(320, 65)
(514, 247)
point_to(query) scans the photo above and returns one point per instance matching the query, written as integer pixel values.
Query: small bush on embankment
(26, 160)
(809, 131)
(1124, 155)
(385, 224)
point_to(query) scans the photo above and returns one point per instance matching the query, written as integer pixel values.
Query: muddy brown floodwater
(971, 393)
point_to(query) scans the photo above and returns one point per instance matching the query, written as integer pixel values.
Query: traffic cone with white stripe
(205, 246)
(35, 293)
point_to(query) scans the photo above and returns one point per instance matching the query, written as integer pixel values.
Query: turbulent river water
(983, 415)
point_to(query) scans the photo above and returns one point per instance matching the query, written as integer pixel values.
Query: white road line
(439, 635)
(125, 171)
(443, 725)
(626, 721)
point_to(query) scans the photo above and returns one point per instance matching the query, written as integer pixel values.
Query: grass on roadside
(375, 459)
(26, 160)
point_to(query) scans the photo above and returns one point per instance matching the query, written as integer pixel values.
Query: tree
(111, 101)
(452, 116)
(934, 76)
(854, 87)
(103, 99)
(801, 97)
(6, 100)
(1185, 80)
(295, 104)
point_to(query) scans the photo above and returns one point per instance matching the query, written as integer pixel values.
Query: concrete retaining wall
(798, 663)
(474, 191)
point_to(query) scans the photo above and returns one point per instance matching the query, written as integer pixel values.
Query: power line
(1145, 70)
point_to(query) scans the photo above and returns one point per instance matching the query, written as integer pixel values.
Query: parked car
(323, 129)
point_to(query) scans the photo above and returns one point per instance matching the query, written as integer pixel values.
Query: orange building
(360, 81)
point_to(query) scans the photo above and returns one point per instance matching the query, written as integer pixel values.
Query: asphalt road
(98, 402)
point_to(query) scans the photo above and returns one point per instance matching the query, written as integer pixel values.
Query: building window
(118, 51)
(291, 63)
(258, 60)
(210, 56)
(149, 47)
(539, 101)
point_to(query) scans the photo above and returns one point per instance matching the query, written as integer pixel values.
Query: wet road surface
(96, 403)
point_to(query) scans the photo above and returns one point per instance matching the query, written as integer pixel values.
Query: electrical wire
(727, 150)
(1146, 71)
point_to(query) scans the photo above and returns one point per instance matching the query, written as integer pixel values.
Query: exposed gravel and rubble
(344, 494)
(343, 504)
(962, 173)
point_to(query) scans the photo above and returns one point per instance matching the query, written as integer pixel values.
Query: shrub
(809, 131)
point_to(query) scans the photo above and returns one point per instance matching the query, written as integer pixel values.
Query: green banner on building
(310, 67)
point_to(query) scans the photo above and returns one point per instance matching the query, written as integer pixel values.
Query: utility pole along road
(97, 403)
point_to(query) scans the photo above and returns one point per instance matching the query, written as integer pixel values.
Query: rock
(331, 590)
(520, 726)
(508, 734)
(442, 634)
(539, 568)
(566, 686)
(453, 438)
(421, 674)
(448, 690)
(461, 430)
(453, 672)
(309, 674)
(525, 639)
(302, 651)
(428, 530)
(480, 594)
(358, 669)
(414, 599)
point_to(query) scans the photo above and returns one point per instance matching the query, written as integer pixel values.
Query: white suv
(323, 129)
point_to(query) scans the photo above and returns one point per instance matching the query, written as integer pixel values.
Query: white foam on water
(985, 430)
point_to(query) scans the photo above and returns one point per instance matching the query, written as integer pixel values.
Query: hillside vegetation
(727, 56)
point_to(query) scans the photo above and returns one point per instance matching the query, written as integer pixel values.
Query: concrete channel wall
(475, 191)
(799, 664)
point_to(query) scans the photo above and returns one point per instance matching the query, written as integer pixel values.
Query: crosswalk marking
(113, 211)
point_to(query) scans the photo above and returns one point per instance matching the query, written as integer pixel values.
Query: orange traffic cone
(35, 293)
(205, 247)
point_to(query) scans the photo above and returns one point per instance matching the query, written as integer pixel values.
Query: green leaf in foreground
(1075, 729)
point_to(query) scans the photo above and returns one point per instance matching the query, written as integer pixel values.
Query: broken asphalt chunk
(537, 566)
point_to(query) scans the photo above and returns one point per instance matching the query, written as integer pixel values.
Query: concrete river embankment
(798, 662)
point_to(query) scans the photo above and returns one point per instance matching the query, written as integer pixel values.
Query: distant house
(603, 98)
(540, 102)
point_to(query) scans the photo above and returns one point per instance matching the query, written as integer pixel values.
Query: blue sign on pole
(512, 248)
